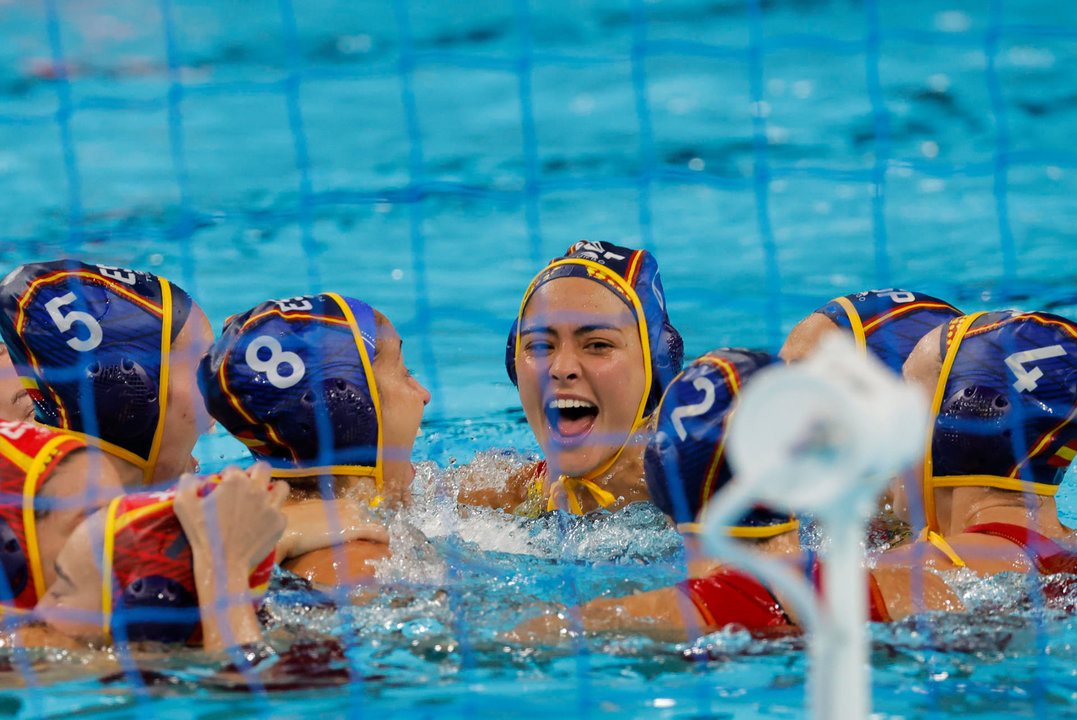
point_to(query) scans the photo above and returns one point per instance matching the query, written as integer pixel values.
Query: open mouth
(570, 419)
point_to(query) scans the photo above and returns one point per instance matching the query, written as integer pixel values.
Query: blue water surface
(429, 158)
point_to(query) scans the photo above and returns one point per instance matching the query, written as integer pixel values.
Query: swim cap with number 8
(293, 380)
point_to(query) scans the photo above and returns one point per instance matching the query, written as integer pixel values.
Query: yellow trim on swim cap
(745, 531)
(855, 322)
(162, 383)
(995, 481)
(929, 484)
(15, 455)
(763, 531)
(368, 368)
(108, 546)
(136, 514)
(107, 447)
(356, 470)
(599, 273)
(29, 492)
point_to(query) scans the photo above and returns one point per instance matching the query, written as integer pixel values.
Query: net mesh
(431, 157)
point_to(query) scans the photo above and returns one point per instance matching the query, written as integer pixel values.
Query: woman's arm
(230, 531)
(322, 524)
(517, 488)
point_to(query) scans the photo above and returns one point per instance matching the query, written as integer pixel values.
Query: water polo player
(317, 386)
(182, 566)
(888, 323)
(685, 466)
(110, 354)
(1003, 387)
(49, 481)
(591, 352)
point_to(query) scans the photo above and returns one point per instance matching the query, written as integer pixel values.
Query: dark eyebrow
(592, 328)
(60, 573)
(582, 330)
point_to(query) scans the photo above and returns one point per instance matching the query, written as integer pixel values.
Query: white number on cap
(296, 303)
(271, 366)
(698, 408)
(64, 322)
(1026, 379)
(12, 430)
(898, 296)
(123, 275)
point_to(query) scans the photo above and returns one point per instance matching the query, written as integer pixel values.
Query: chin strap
(603, 497)
(940, 542)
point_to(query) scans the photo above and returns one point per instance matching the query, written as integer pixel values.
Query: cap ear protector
(92, 344)
(684, 461)
(126, 394)
(156, 608)
(13, 561)
(637, 284)
(349, 411)
(1005, 405)
(972, 432)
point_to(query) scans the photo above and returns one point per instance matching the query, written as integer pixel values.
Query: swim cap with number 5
(91, 345)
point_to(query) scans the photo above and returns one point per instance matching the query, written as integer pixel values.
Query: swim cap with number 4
(91, 345)
(293, 380)
(1005, 404)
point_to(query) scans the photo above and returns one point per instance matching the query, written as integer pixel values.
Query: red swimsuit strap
(1048, 556)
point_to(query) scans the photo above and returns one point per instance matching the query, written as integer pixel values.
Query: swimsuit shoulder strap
(1048, 555)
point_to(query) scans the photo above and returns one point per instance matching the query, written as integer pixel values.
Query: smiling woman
(591, 351)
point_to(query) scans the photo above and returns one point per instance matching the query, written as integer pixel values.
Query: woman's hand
(230, 530)
(317, 524)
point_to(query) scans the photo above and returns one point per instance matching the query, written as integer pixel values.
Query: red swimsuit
(728, 596)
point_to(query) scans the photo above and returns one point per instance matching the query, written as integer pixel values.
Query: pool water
(429, 158)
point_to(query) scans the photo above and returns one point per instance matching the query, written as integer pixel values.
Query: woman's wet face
(15, 404)
(72, 605)
(80, 485)
(402, 397)
(186, 418)
(581, 372)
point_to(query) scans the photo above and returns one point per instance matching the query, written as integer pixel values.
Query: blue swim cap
(889, 322)
(685, 459)
(293, 380)
(91, 345)
(633, 277)
(1005, 404)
